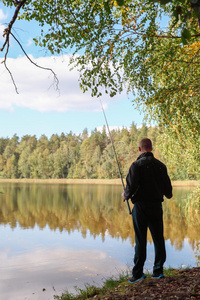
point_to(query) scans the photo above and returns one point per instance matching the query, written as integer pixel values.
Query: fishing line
(115, 155)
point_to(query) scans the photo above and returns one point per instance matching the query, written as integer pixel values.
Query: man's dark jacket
(147, 180)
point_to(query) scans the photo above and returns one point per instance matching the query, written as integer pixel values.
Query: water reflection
(54, 237)
(97, 208)
(39, 271)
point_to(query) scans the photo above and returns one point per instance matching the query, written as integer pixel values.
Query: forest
(90, 155)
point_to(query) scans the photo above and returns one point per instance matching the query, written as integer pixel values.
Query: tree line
(90, 155)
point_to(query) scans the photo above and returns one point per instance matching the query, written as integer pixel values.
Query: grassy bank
(177, 284)
(64, 181)
(90, 181)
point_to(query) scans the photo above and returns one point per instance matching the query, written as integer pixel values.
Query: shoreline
(88, 181)
(175, 285)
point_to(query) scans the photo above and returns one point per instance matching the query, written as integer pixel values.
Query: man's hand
(123, 198)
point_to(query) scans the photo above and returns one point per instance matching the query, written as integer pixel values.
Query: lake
(57, 236)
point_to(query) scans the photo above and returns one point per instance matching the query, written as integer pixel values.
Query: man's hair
(145, 144)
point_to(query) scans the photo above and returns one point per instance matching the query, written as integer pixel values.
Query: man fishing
(146, 184)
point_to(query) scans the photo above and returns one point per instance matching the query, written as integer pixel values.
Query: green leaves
(109, 4)
(107, 7)
(163, 2)
(185, 36)
(120, 2)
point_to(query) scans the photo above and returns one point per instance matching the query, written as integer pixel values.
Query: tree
(109, 167)
(3, 144)
(73, 143)
(27, 141)
(84, 134)
(61, 158)
(174, 99)
(183, 161)
(43, 143)
(86, 154)
(2, 163)
(24, 165)
(122, 45)
(11, 147)
(96, 158)
(54, 143)
(36, 164)
(11, 169)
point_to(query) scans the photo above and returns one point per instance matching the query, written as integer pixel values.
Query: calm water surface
(55, 237)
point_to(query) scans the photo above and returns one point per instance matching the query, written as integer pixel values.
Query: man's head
(145, 145)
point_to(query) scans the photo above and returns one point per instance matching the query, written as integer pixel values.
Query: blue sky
(40, 109)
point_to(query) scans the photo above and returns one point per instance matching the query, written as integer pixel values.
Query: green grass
(170, 272)
(81, 294)
(88, 292)
(109, 284)
(112, 282)
(91, 291)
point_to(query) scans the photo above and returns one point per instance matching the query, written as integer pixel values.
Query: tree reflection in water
(97, 208)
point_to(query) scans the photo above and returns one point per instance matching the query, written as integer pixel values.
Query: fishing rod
(120, 174)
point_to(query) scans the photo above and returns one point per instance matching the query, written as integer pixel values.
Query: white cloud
(36, 90)
(2, 15)
(62, 268)
(29, 42)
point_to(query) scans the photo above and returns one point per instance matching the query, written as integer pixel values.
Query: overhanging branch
(7, 33)
(38, 66)
(7, 30)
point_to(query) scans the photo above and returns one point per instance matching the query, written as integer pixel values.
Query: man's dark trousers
(144, 216)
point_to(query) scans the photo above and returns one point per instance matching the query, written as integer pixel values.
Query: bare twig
(7, 30)
(4, 62)
(7, 33)
(38, 66)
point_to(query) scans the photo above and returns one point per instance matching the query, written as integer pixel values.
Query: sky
(39, 108)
